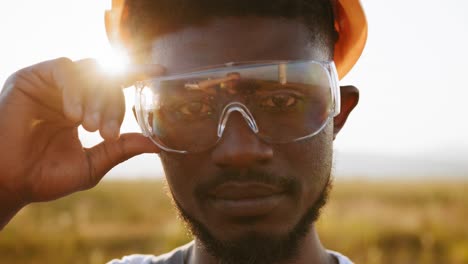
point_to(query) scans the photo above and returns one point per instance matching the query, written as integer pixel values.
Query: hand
(41, 108)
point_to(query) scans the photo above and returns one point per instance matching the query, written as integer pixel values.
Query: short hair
(146, 20)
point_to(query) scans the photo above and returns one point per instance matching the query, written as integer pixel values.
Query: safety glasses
(281, 102)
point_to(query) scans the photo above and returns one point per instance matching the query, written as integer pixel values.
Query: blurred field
(371, 222)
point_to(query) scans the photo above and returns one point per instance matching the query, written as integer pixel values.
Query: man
(246, 146)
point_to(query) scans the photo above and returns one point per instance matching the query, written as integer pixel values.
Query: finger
(113, 115)
(65, 75)
(96, 98)
(108, 154)
(108, 84)
(92, 96)
(94, 92)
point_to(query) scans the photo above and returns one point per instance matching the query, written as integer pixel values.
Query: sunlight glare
(114, 61)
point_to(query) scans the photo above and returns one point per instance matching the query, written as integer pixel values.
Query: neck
(310, 251)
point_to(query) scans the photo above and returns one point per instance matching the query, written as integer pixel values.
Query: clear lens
(287, 102)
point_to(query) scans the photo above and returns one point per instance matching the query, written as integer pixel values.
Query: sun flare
(114, 61)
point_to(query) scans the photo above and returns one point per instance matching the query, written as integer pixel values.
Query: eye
(280, 101)
(194, 110)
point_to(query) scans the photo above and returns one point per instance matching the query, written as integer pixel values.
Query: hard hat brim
(350, 22)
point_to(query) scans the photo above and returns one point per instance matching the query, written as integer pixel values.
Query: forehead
(223, 40)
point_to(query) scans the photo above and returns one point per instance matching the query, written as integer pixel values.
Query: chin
(264, 239)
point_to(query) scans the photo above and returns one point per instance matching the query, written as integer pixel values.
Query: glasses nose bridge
(243, 110)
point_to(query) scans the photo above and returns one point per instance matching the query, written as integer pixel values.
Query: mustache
(286, 183)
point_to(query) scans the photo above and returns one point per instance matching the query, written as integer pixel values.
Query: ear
(349, 100)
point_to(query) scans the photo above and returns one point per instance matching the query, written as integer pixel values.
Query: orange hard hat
(350, 22)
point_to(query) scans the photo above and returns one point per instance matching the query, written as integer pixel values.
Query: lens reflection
(288, 102)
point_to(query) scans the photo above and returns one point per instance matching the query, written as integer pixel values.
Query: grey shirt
(179, 255)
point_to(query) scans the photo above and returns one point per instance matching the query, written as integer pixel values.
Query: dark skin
(309, 161)
(41, 107)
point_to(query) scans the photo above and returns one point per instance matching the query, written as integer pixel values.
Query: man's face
(244, 188)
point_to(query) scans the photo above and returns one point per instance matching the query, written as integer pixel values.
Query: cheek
(180, 177)
(312, 163)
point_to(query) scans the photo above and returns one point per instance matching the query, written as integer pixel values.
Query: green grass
(371, 222)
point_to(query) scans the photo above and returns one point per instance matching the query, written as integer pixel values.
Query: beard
(254, 247)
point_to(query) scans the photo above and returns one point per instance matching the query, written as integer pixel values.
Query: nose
(239, 146)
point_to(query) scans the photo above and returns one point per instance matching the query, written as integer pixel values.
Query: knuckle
(88, 65)
(60, 70)
(62, 66)
(63, 61)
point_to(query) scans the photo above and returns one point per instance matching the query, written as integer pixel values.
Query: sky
(411, 76)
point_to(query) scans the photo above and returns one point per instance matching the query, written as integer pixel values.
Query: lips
(245, 199)
(244, 190)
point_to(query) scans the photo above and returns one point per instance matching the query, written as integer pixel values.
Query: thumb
(108, 154)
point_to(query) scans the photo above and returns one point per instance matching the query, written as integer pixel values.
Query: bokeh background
(401, 163)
